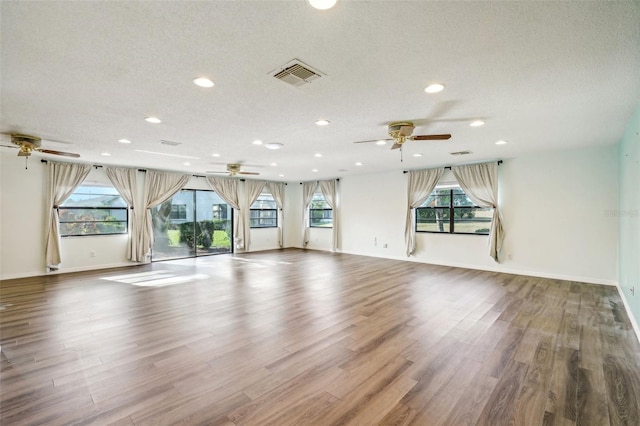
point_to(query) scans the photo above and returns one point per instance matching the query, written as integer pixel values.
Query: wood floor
(294, 338)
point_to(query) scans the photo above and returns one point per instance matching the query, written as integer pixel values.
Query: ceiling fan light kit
(27, 144)
(401, 131)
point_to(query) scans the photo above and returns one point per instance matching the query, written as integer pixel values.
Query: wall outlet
(633, 290)
(375, 241)
(510, 256)
(92, 253)
(385, 245)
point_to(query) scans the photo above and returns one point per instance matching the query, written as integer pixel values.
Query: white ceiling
(544, 76)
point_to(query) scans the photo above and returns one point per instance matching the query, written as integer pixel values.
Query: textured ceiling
(544, 76)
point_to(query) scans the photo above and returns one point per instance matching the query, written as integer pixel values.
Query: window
(178, 212)
(93, 210)
(264, 212)
(320, 213)
(449, 210)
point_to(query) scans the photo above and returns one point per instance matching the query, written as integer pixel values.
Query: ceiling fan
(234, 169)
(28, 144)
(401, 131)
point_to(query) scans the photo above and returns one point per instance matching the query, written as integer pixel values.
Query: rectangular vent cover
(170, 143)
(296, 73)
(460, 153)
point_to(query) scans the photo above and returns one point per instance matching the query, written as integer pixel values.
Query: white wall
(554, 208)
(293, 215)
(21, 216)
(22, 225)
(629, 216)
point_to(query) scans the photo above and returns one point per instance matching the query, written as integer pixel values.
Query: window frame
(61, 208)
(180, 209)
(273, 211)
(323, 210)
(451, 209)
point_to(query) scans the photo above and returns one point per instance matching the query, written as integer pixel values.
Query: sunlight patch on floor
(155, 278)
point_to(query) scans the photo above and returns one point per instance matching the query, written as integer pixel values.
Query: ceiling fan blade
(430, 137)
(216, 173)
(10, 146)
(396, 145)
(374, 140)
(64, 154)
(247, 173)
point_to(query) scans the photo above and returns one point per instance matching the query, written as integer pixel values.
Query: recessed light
(318, 155)
(476, 123)
(434, 88)
(186, 163)
(273, 164)
(314, 170)
(215, 155)
(358, 163)
(322, 122)
(322, 4)
(417, 155)
(281, 175)
(257, 142)
(203, 82)
(154, 120)
(105, 154)
(381, 143)
(273, 145)
(124, 141)
(501, 142)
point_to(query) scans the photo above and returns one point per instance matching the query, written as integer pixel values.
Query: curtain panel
(308, 189)
(277, 191)
(480, 183)
(227, 189)
(329, 189)
(420, 185)
(158, 188)
(126, 183)
(252, 190)
(63, 179)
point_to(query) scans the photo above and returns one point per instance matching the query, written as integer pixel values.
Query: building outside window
(93, 209)
(264, 212)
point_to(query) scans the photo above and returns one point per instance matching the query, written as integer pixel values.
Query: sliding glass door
(192, 223)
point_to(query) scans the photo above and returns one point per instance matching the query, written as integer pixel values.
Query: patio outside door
(192, 223)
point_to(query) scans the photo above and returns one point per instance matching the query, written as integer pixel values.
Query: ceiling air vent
(170, 143)
(296, 73)
(460, 153)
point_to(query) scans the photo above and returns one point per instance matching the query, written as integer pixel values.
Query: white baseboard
(634, 323)
(498, 268)
(68, 270)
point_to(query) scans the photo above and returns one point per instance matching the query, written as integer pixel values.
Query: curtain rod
(338, 179)
(449, 167)
(99, 166)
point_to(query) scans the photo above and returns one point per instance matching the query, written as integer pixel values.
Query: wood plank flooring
(294, 337)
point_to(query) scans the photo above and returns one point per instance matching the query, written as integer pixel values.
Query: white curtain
(227, 189)
(421, 184)
(63, 179)
(277, 191)
(308, 189)
(252, 189)
(158, 188)
(126, 182)
(329, 189)
(480, 183)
